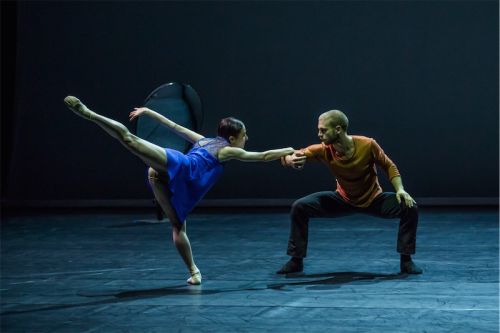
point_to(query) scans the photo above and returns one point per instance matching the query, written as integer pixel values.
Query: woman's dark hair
(229, 127)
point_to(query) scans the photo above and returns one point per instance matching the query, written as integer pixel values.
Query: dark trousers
(332, 204)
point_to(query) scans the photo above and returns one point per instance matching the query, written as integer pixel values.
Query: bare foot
(195, 277)
(78, 107)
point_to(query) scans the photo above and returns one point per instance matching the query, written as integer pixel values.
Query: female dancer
(179, 181)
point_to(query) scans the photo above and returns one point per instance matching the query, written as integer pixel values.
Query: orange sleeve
(314, 153)
(383, 161)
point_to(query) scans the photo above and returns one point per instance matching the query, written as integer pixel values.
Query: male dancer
(352, 160)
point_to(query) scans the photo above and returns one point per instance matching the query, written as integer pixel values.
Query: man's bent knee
(414, 210)
(409, 211)
(298, 205)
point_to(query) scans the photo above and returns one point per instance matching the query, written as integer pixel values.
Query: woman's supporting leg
(153, 155)
(183, 246)
(159, 184)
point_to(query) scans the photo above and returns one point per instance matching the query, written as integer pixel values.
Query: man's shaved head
(335, 118)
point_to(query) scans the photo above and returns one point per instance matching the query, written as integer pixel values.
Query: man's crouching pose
(352, 160)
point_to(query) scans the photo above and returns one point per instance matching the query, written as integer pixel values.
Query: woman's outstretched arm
(230, 153)
(183, 132)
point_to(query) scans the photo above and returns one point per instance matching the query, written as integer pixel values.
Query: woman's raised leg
(153, 155)
(159, 182)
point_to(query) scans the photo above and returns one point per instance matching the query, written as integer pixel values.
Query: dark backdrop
(419, 77)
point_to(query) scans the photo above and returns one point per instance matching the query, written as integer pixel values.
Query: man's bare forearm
(397, 183)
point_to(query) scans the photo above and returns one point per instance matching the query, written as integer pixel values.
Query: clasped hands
(296, 160)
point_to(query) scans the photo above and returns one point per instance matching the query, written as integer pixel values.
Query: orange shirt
(356, 177)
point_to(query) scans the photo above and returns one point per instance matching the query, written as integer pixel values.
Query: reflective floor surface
(88, 271)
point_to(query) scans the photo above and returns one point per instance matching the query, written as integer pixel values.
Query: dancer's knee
(162, 177)
(129, 140)
(177, 227)
(176, 232)
(414, 210)
(152, 174)
(410, 211)
(298, 207)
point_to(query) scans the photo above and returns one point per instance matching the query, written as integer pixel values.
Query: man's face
(326, 133)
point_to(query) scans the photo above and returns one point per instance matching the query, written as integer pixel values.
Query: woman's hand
(138, 112)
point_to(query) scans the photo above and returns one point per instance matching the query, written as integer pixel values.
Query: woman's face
(240, 139)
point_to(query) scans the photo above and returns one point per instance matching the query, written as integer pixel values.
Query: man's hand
(402, 194)
(296, 160)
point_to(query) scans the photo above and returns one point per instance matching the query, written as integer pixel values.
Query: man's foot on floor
(410, 267)
(291, 267)
(75, 105)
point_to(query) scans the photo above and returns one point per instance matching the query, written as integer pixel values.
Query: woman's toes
(71, 101)
(78, 107)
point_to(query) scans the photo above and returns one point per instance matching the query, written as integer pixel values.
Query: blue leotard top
(193, 174)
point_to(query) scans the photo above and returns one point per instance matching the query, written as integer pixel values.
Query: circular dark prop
(178, 102)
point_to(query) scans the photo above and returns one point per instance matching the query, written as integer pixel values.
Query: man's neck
(344, 146)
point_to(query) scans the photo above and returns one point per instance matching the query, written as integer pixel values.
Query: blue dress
(193, 174)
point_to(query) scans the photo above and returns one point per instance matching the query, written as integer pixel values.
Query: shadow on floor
(137, 224)
(334, 281)
(126, 296)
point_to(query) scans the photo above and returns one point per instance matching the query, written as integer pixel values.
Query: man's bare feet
(78, 107)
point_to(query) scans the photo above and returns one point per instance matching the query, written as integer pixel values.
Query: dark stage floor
(99, 272)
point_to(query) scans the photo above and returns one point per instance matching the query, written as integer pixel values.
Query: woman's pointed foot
(75, 105)
(195, 276)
